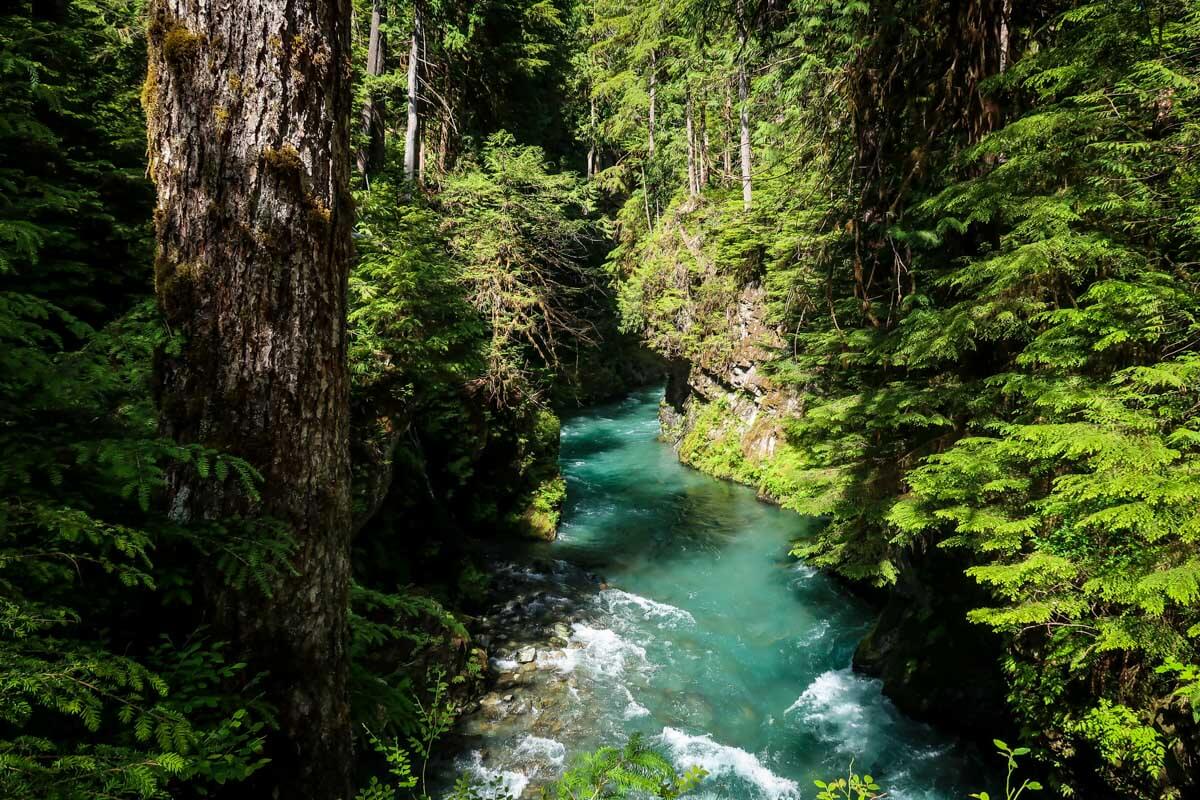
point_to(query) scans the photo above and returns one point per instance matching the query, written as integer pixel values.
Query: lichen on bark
(249, 150)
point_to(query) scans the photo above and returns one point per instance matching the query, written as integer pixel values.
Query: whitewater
(670, 607)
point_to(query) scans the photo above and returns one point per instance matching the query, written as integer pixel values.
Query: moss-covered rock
(540, 519)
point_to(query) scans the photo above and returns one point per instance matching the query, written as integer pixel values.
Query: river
(669, 606)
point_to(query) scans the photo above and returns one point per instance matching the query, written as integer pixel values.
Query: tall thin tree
(412, 144)
(743, 90)
(653, 112)
(247, 108)
(743, 85)
(692, 167)
(374, 111)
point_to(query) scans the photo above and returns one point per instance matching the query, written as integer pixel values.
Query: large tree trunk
(411, 143)
(370, 158)
(247, 108)
(52, 10)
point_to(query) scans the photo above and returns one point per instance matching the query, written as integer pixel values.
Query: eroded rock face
(917, 645)
(754, 408)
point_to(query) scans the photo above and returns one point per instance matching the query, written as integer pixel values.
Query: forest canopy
(287, 322)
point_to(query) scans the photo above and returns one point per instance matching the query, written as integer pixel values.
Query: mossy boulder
(540, 519)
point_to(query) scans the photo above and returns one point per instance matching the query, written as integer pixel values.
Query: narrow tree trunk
(703, 146)
(653, 103)
(250, 150)
(411, 145)
(693, 175)
(1005, 18)
(727, 138)
(646, 199)
(424, 153)
(744, 119)
(592, 168)
(370, 158)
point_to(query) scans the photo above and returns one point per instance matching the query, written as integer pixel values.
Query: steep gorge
(725, 415)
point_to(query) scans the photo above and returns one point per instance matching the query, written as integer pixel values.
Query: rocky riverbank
(530, 632)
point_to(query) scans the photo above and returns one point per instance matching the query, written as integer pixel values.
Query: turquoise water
(705, 636)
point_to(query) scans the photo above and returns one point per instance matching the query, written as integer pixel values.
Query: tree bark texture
(411, 143)
(653, 104)
(693, 172)
(52, 10)
(727, 131)
(374, 112)
(248, 108)
(592, 166)
(744, 128)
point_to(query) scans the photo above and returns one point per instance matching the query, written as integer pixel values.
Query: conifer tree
(249, 151)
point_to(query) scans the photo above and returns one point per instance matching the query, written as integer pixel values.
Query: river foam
(835, 705)
(539, 749)
(711, 636)
(633, 709)
(494, 783)
(722, 760)
(664, 614)
(600, 651)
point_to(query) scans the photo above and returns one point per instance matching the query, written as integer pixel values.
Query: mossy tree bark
(247, 110)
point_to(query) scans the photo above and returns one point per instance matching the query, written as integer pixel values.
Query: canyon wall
(726, 416)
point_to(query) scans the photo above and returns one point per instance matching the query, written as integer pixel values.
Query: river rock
(511, 680)
(526, 654)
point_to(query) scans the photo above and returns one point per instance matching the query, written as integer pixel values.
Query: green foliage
(486, 66)
(863, 787)
(402, 645)
(636, 770)
(435, 717)
(851, 787)
(102, 693)
(399, 769)
(1012, 789)
(463, 316)
(520, 233)
(410, 321)
(981, 298)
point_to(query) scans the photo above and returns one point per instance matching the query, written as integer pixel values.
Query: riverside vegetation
(291, 297)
